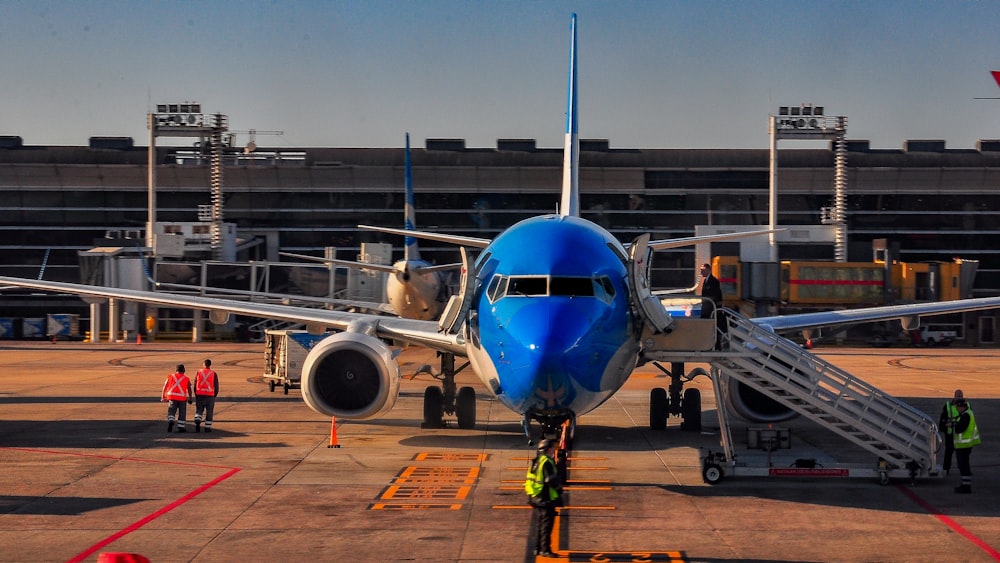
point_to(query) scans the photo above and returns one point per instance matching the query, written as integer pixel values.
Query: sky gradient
(664, 74)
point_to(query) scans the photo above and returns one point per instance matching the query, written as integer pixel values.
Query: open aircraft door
(649, 306)
(457, 309)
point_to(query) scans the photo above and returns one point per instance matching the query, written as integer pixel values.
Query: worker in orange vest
(206, 389)
(177, 390)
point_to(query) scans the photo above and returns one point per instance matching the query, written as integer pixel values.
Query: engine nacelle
(754, 406)
(350, 375)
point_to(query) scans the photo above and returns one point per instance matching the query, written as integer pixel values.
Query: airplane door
(649, 306)
(458, 305)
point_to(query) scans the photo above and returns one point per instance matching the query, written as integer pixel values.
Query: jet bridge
(904, 440)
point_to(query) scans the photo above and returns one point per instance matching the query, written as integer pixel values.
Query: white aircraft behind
(550, 316)
(415, 288)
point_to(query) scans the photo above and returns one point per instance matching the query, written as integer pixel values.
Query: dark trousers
(204, 404)
(177, 410)
(962, 455)
(949, 449)
(545, 518)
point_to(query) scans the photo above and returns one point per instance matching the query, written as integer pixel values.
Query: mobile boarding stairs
(904, 440)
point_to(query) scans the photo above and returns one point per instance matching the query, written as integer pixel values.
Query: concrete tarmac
(89, 468)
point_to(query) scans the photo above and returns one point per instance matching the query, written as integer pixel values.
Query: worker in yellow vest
(206, 389)
(544, 491)
(966, 437)
(177, 390)
(946, 423)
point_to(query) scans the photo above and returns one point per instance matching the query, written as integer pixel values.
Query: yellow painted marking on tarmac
(388, 506)
(449, 456)
(412, 474)
(393, 492)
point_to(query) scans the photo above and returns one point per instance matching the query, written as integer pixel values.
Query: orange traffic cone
(333, 433)
(138, 339)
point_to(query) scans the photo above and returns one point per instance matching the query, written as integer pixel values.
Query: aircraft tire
(465, 407)
(433, 407)
(711, 474)
(658, 405)
(691, 410)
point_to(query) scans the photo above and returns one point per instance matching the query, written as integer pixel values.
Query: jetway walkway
(894, 431)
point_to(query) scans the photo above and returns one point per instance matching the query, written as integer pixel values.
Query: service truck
(937, 335)
(284, 353)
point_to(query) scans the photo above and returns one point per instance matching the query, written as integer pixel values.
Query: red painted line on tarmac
(955, 526)
(149, 518)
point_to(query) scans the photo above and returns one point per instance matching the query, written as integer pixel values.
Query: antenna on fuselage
(570, 205)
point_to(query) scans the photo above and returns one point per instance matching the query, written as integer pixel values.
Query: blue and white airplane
(549, 316)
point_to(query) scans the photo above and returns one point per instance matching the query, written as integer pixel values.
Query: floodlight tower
(187, 120)
(808, 122)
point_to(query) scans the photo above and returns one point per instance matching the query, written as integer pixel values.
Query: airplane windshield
(541, 286)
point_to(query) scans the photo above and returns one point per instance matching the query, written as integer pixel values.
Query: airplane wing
(368, 266)
(664, 244)
(908, 314)
(349, 263)
(440, 237)
(282, 298)
(420, 333)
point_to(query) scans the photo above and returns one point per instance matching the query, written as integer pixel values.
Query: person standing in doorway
(177, 391)
(946, 423)
(711, 290)
(206, 389)
(966, 437)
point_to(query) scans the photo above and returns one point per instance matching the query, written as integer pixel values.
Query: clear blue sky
(659, 74)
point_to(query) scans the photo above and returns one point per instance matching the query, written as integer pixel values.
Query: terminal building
(928, 202)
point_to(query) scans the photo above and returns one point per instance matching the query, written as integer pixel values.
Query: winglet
(410, 249)
(996, 76)
(570, 204)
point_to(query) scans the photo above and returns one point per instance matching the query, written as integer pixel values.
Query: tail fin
(570, 204)
(410, 249)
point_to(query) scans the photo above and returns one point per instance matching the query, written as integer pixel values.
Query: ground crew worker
(206, 389)
(544, 490)
(177, 390)
(966, 437)
(946, 422)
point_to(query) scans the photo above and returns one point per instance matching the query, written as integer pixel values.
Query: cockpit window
(541, 286)
(528, 286)
(572, 287)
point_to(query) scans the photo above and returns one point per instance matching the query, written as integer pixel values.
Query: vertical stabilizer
(410, 250)
(570, 204)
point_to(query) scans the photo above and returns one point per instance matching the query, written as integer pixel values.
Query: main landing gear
(447, 398)
(662, 405)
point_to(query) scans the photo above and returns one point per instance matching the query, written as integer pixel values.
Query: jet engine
(350, 375)
(754, 406)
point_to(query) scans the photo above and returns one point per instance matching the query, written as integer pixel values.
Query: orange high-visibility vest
(204, 382)
(176, 387)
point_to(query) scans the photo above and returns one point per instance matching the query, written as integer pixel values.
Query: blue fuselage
(551, 328)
